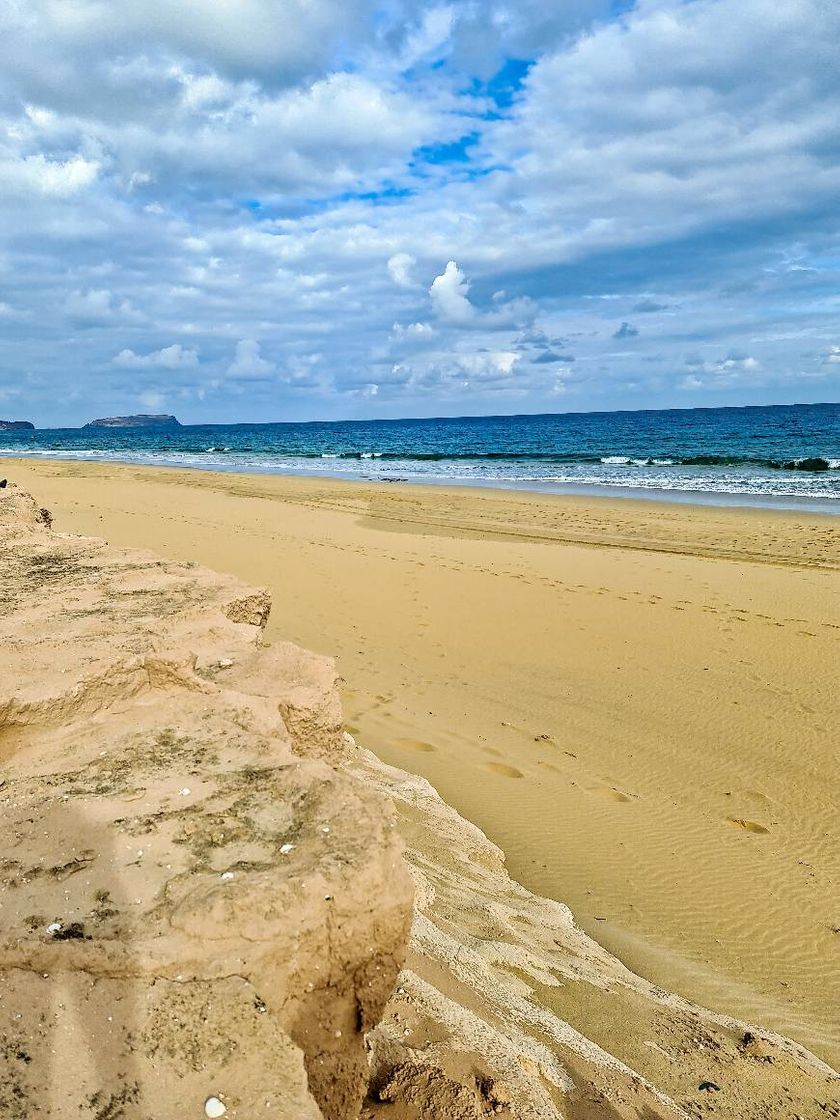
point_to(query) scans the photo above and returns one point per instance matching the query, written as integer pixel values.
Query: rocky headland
(16, 426)
(141, 420)
(214, 903)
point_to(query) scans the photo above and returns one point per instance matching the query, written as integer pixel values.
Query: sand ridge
(503, 996)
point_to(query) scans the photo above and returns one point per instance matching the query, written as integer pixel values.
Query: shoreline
(787, 502)
(548, 683)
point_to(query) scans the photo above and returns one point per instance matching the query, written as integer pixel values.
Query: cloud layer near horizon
(274, 209)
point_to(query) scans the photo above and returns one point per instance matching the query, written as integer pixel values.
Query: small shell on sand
(213, 1107)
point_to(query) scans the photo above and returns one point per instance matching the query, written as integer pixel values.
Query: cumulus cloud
(736, 368)
(412, 337)
(27, 174)
(97, 306)
(451, 303)
(832, 358)
(243, 39)
(414, 330)
(248, 362)
(94, 305)
(690, 381)
(488, 366)
(738, 362)
(449, 296)
(399, 269)
(170, 357)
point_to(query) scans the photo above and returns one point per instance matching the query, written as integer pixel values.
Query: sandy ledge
(350, 528)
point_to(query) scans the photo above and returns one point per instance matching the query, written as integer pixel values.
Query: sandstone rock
(193, 904)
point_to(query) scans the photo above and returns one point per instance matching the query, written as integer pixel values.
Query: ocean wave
(806, 463)
(628, 461)
(814, 463)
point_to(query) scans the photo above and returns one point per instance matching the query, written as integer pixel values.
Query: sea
(782, 455)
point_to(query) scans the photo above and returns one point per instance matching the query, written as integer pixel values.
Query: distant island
(16, 426)
(142, 420)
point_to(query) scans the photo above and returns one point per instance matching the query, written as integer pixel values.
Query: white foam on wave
(629, 461)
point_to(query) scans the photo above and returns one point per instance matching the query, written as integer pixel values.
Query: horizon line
(460, 416)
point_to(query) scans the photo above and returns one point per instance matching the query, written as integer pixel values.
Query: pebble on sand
(213, 1108)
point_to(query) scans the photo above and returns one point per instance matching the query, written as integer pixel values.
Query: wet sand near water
(637, 701)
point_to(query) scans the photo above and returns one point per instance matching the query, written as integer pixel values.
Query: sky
(258, 210)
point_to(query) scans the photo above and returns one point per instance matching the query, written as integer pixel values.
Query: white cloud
(736, 368)
(450, 301)
(737, 362)
(399, 269)
(414, 332)
(487, 366)
(449, 297)
(98, 306)
(170, 357)
(430, 40)
(248, 363)
(237, 37)
(832, 358)
(91, 306)
(46, 177)
(691, 381)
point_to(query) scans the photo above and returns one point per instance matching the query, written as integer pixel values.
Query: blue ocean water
(784, 454)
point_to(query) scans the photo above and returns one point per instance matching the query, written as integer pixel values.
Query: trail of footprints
(604, 791)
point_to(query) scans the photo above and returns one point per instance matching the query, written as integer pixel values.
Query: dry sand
(636, 701)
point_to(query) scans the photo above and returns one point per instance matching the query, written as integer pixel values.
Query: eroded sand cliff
(204, 898)
(194, 904)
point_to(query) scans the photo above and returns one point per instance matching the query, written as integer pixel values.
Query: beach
(635, 700)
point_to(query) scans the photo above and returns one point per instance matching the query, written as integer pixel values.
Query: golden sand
(637, 701)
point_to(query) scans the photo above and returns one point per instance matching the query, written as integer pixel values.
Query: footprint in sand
(416, 745)
(747, 826)
(612, 794)
(503, 769)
